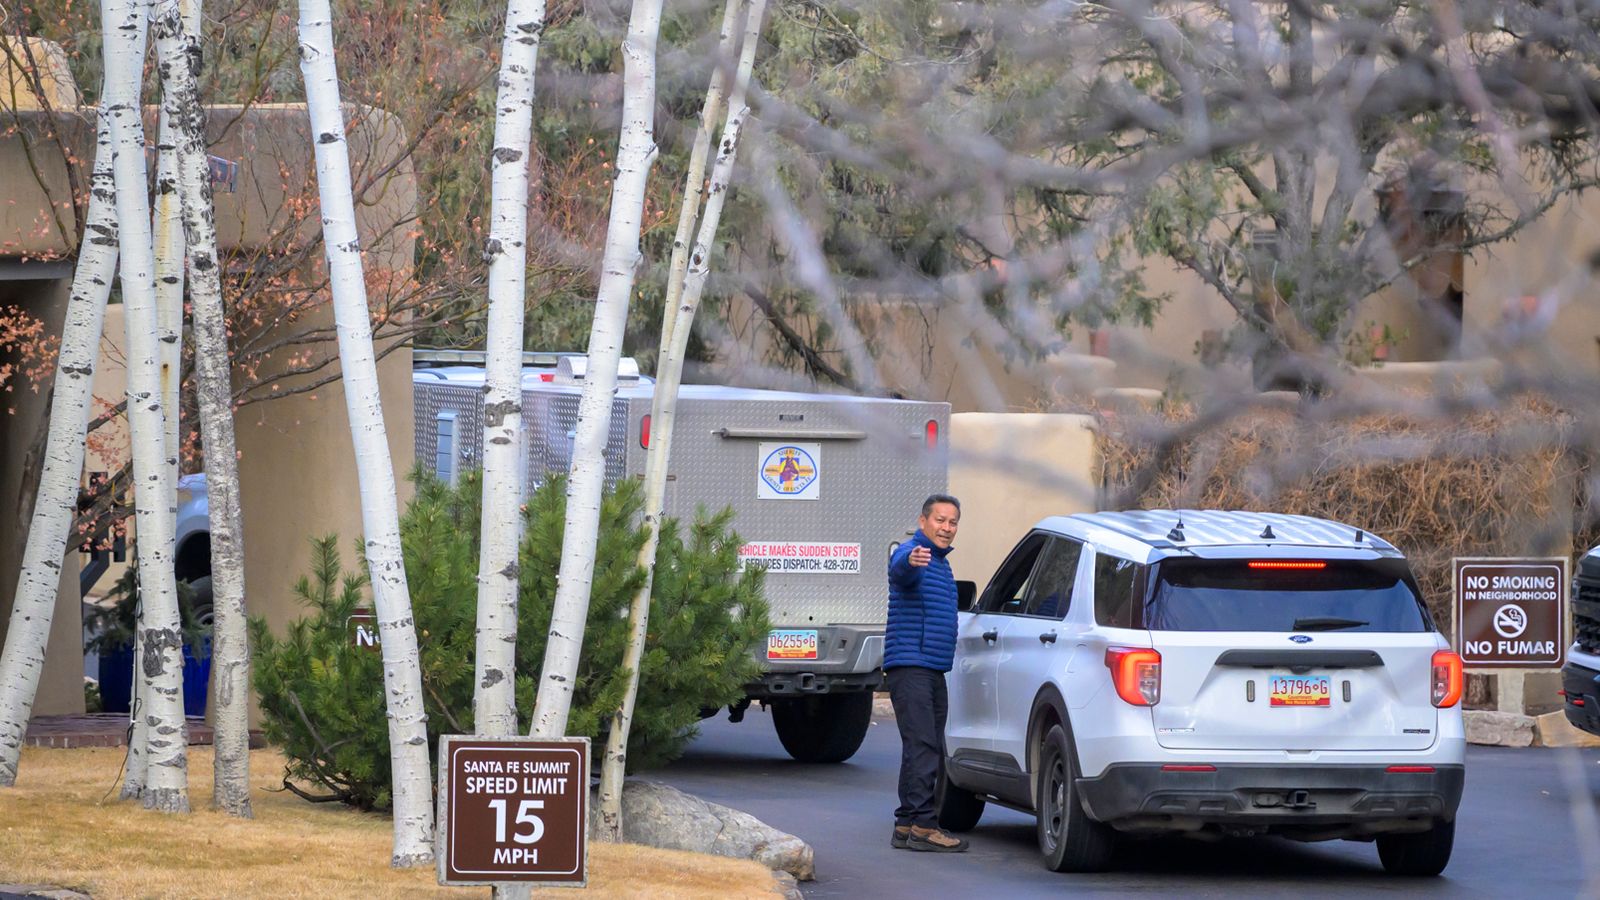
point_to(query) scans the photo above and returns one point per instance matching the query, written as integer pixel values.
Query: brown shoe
(901, 834)
(933, 840)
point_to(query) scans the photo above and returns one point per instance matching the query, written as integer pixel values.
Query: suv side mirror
(966, 592)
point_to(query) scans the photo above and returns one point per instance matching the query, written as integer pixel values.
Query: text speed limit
(512, 809)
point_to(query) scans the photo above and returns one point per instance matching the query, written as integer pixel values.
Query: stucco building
(297, 465)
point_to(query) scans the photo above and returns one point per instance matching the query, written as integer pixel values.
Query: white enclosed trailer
(823, 487)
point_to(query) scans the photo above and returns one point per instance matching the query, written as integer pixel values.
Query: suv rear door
(1291, 655)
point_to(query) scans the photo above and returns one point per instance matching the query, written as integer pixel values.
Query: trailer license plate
(1301, 690)
(793, 644)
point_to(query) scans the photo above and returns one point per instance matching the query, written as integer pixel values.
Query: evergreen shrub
(322, 698)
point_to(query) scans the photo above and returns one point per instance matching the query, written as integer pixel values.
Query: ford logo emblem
(1300, 638)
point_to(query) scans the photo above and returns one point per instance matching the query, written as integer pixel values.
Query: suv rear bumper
(1303, 801)
(1582, 683)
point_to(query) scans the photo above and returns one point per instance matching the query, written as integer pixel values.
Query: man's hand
(921, 556)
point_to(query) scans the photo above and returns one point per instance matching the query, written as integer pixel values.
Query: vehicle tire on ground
(959, 809)
(1069, 840)
(823, 728)
(1422, 854)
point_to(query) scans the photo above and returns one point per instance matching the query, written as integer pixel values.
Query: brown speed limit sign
(1511, 613)
(513, 809)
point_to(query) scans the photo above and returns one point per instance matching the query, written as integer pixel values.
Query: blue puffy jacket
(922, 609)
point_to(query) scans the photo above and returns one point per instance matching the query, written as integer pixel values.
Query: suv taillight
(1136, 672)
(1448, 678)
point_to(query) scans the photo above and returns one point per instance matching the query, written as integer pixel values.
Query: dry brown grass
(1508, 482)
(56, 829)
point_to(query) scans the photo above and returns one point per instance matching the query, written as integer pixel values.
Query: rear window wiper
(1326, 623)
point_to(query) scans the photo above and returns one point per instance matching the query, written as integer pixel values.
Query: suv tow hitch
(1287, 800)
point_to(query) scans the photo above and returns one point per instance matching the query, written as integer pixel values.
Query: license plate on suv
(1301, 690)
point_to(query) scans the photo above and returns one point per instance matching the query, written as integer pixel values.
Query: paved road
(1516, 836)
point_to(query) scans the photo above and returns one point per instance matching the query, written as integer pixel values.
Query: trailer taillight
(931, 432)
(644, 431)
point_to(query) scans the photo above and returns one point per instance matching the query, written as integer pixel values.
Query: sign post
(513, 809)
(1511, 613)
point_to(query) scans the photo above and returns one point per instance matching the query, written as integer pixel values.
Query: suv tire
(959, 809)
(1068, 838)
(201, 603)
(823, 728)
(1423, 854)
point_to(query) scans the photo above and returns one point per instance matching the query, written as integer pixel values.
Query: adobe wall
(1011, 470)
(23, 416)
(297, 463)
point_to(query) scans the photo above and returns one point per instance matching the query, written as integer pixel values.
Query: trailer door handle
(992, 635)
(1048, 637)
(787, 434)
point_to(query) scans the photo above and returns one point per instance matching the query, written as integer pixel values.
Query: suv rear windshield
(1285, 595)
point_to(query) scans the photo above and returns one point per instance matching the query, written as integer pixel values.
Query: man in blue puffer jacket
(919, 647)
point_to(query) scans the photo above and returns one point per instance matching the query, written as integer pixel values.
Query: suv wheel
(1422, 854)
(201, 602)
(823, 728)
(1068, 838)
(959, 809)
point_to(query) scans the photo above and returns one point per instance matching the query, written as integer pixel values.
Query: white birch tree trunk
(178, 50)
(635, 155)
(168, 247)
(494, 707)
(694, 180)
(55, 506)
(160, 656)
(678, 317)
(134, 769)
(402, 673)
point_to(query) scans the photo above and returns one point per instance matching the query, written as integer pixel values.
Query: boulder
(657, 815)
(882, 707)
(788, 886)
(1498, 729)
(45, 891)
(1556, 731)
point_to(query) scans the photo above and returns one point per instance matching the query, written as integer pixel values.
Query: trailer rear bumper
(786, 684)
(848, 658)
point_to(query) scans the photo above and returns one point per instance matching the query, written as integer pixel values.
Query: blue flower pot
(116, 679)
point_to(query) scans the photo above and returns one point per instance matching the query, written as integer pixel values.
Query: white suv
(1206, 673)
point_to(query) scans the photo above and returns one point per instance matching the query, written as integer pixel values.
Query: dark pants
(920, 706)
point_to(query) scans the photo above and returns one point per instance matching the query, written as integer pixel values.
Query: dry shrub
(1504, 482)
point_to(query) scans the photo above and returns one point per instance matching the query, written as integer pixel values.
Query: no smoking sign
(1511, 613)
